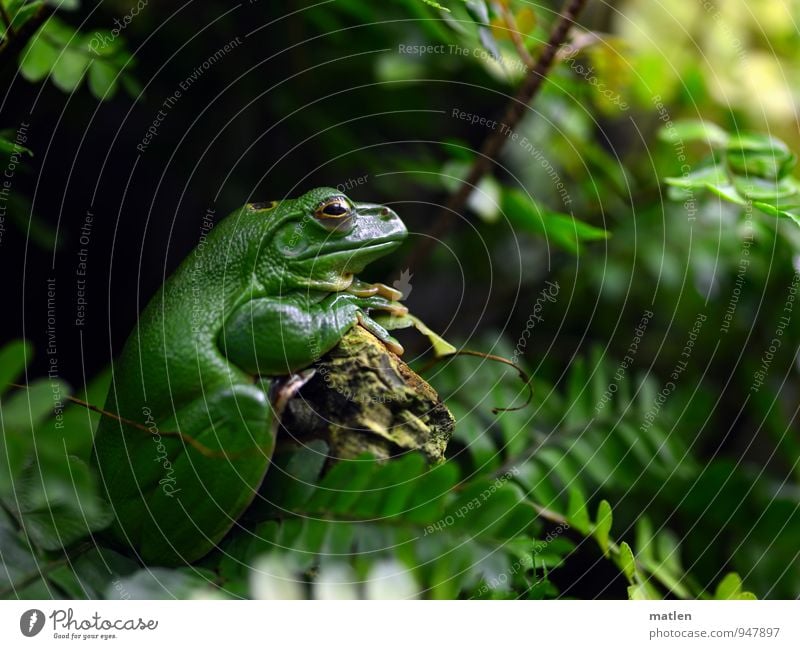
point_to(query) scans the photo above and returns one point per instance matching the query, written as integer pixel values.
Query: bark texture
(363, 398)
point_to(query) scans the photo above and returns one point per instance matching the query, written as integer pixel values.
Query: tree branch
(494, 142)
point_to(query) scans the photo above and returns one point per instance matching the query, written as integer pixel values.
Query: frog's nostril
(385, 213)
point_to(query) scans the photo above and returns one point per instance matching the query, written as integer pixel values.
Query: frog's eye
(334, 209)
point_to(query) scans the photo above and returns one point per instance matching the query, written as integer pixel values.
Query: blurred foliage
(639, 470)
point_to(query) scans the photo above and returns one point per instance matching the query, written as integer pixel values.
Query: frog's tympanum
(269, 292)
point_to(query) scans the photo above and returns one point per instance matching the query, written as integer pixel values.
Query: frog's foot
(364, 289)
(392, 344)
(378, 303)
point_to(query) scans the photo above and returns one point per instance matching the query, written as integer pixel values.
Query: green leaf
(14, 357)
(577, 512)
(7, 146)
(37, 59)
(440, 346)
(64, 4)
(18, 557)
(627, 561)
(643, 592)
(93, 572)
(103, 80)
(296, 481)
(666, 566)
(56, 500)
(729, 193)
(645, 544)
(773, 164)
(162, 583)
(755, 142)
(435, 5)
(20, 13)
(669, 553)
(731, 588)
(701, 178)
(692, 130)
(27, 407)
(69, 69)
(425, 503)
(397, 481)
(790, 212)
(602, 527)
(762, 189)
(341, 486)
(560, 229)
(20, 212)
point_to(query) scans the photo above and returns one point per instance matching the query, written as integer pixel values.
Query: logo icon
(404, 283)
(31, 622)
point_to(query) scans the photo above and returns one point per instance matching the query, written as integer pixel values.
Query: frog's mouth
(374, 249)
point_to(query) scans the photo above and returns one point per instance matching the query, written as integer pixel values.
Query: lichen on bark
(363, 398)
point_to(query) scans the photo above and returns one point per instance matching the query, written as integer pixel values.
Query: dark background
(232, 137)
(303, 102)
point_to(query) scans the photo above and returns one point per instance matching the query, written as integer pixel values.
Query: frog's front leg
(277, 335)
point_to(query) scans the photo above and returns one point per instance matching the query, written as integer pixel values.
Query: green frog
(271, 290)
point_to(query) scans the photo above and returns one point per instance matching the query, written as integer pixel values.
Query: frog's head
(323, 238)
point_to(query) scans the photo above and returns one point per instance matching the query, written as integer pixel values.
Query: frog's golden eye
(334, 208)
(263, 207)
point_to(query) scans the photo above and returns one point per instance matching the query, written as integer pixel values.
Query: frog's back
(171, 356)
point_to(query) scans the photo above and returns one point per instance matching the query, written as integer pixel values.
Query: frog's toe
(388, 292)
(392, 344)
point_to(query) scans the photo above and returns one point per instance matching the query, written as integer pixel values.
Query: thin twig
(191, 441)
(494, 142)
(515, 35)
